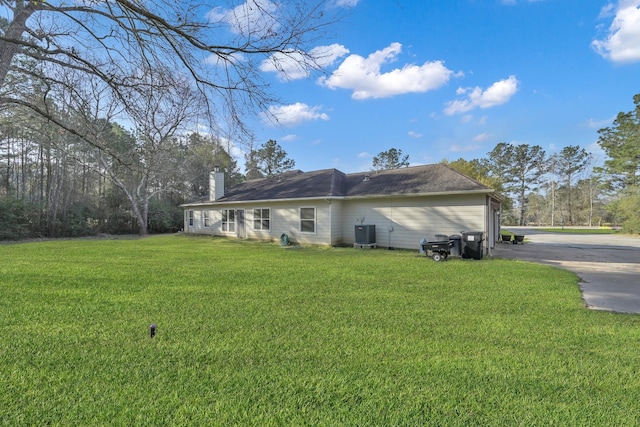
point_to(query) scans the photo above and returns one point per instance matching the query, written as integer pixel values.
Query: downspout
(487, 221)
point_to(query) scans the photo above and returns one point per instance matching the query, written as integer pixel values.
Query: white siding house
(323, 207)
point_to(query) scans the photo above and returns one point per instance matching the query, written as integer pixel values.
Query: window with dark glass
(262, 219)
(308, 220)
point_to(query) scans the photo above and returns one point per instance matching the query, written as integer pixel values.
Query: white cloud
(235, 151)
(294, 114)
(364, 155)
(622, 42)
(512, 2)
(414, 134)
(597, 153)
(328, 55)
(599, 124)
(463, 149)
(607, 11)
(290, 137)
(252, 17)
(345, 3)
(295, 65)
(497, 94)
(365, 78)
(482, 137)
(258, 18)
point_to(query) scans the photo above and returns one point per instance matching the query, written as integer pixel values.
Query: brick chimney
(216, 184)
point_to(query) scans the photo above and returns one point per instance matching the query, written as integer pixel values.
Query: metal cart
(439, 250)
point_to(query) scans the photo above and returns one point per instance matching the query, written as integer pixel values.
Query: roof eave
(258, 201)
(368, 196)
(430, 194)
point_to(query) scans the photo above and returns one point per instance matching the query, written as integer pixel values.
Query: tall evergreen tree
(476, 169)
(252, 166)
(519, 168)
(272, 159)
(390, 159)
(568, 163)
(621, 143)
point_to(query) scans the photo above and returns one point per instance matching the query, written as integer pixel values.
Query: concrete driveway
(608, 265)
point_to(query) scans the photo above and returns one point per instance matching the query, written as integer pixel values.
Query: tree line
(540, 189)
(536, 188)
(569, 187)
(99, 102)
(52, 184)
(96, 99)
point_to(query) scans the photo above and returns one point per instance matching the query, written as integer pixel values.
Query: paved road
(608, 265)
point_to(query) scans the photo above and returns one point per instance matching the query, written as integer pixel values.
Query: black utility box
(365, 234)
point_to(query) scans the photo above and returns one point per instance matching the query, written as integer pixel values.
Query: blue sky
(451, 79)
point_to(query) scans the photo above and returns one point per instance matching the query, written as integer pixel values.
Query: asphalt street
(608, 265)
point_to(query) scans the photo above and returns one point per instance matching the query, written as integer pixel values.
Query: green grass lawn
(570, 230)
(255, 334)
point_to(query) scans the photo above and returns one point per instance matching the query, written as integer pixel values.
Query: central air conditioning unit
(365, 234)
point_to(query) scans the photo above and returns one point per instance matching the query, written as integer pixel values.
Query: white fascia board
(222, 203)
(434, 194)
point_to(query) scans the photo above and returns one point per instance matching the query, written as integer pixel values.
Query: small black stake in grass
(152, 330)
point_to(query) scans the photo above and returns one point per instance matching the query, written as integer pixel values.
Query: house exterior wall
(337, 232)
(198, 226)
(284, 218)
(403, 222)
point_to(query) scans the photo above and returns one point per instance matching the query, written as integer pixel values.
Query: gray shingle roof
(289, 185)
(417, 180)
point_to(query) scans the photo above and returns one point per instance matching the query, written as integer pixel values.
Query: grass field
(255, 334)
(582, 230)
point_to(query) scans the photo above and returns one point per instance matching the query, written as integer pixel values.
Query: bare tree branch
(218, 49)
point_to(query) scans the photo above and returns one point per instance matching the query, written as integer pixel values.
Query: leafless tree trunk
(157, 112)
(11, 43)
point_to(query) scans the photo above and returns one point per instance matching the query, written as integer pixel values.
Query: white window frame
(227, 226)
(259, 220)
(206, 218)
(191, 220)
(313, 221)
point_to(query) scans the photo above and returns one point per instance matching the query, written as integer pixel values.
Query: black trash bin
(456, 249)
(472, 244)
